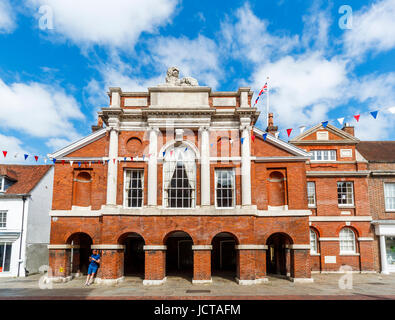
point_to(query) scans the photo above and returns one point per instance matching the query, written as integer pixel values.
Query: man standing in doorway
(93, 266)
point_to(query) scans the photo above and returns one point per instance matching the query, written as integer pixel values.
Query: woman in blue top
(92, 269)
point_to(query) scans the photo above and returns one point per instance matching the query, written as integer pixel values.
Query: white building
(25, 200)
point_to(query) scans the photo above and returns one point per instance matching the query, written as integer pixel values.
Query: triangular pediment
(320, 135)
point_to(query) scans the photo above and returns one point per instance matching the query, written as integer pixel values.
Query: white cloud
(116, 23)
(303, 88)
(38, 109)
(57, 143)
(198, 58)
(14, 148)
(373, 29)
(7, 17)
(247, 37)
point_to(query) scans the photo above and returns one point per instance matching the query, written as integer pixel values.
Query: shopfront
(385, 229)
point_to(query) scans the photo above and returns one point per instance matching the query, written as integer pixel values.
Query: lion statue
(173, 80)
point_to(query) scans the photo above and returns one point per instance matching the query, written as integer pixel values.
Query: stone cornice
(337, 173)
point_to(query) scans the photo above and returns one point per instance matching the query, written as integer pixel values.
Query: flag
(264, 89)
(79, 164)
(256, 101)
(357, 117)
(5, 153)
(71, 163)
(131, 158)
(143, 157)
(63, 162)
(302, 128)
(164, 152)
(340, 120)
(276, 134)
(374, 114)
(264, 136)
(36, 157)
(289, 132)
(242, 140)
(25, 155)
(186, 148)
(253, 138)
(54, 160)
(324, 123)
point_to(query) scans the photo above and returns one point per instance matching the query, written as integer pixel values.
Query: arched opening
(223, 147)
(134, 257)
(134, 146)
(224, 255)
(82, 189)
(276, 189)
(278, 258)
(179, 254)
(80, 252)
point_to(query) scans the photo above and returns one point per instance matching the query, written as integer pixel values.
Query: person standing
(93, 266)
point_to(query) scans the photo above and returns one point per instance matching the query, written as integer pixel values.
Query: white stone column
(112, 165)
(153, 167)
(245, 165)
(383, 254)
(205, 167)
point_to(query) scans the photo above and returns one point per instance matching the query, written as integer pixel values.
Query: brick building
(180, 181)
(381, 158)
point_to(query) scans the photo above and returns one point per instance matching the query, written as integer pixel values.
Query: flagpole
(267, 103)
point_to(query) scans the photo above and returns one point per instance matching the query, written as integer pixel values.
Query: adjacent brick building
(180, 181)
(381, 158)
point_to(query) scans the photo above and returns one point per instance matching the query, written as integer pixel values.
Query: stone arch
(171, 143)
(278, 258)
(133, 255)
(81, 250)
(224, 256)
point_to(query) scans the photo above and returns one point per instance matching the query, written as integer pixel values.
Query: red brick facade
(269, 235)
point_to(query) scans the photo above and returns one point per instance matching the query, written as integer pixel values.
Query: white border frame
(124, 187)
(234, 187)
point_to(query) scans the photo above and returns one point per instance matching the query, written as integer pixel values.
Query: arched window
(82, 189)
(179, 177)
(276, 189)
(347, 241)
(313, 242)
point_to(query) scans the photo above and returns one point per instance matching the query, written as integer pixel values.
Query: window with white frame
(224, 188)
(313, 242)
(134, 185)
(3, 219)
(347, 241)
(179, 177)
(345, 193)
(2, 182)
(311, 194)
(389, 195)
(323, 155)
(5, 256)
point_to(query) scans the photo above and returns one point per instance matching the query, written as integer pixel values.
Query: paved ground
(325, 286)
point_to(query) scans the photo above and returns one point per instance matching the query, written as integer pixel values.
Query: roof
(27, 177)
(377, 151)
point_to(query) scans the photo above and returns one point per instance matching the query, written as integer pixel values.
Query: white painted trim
(365, 239)
(107, 246)
(302, 280)
(251, 282)
(251, 247)
(201, 281)
(79, 144)
(328, 239)
(202, 247)
(339, 218)
(154, 282)
(155, 247)
(108, 282)
(298, 246)
(59, 246)
(315, 254)
(349, 254)
(281, 159)
(362, 173)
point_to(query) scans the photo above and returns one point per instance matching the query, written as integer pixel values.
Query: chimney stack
(99, 125)
(349, 129)
(271, 128)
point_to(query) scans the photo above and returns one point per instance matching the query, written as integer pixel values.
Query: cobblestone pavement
(325, 286)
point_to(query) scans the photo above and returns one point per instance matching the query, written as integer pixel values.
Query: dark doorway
(224, 255)
(134, 256)
(179, 254)
(277, 258)
(80, 253)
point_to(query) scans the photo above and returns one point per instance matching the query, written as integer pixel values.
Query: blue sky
(53, 80)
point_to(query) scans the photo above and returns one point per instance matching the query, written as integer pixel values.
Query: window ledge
(390, 211)
(315, 254)
(348, 206)
(349, 254)
(312, 207)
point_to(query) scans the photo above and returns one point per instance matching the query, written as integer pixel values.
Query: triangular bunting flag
(71, 162)
(36, 157)
(143, 157)
(374, 114)
(253, 138)
(231, 140)
(45, 160)
(5, 153)
(164, 152)
(302, 128)
(63, 162)
(211, 145)
(242, 140)
(113, 160)
(54, 160)
(25, 155)
(357, 117)
(186, 148)
(324, 123)
(90, 164)
(131, 158)
(79, 164)
(124, 159)
(289, 132)
(264, 136)
(340, 120)
(276, 134)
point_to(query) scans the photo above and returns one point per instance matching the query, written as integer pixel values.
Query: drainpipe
(20, 244)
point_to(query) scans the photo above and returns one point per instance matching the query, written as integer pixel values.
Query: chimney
(349, 129)
(99, 125)
(271, 128)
